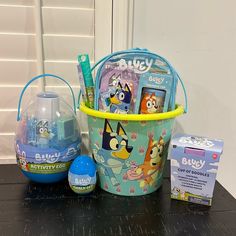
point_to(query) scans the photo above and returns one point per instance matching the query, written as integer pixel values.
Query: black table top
(27, 208)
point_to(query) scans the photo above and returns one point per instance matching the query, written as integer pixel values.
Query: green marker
(88, 79)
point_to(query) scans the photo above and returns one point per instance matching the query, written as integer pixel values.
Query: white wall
(199, 39)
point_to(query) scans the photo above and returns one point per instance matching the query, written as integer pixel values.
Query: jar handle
(36, 78)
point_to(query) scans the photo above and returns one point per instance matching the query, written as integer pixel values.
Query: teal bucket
(130, 150)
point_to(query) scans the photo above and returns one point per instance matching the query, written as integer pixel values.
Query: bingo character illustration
(148, 104)
(152, 162)
(23, 163)
(120, 100)
(114, 154)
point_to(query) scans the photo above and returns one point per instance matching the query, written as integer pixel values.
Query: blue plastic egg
(82, 175)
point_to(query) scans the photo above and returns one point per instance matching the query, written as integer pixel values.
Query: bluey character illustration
(112, 86)
(42, 129)
(148, 104)
(175, 192)
(120, 100)
(42, 132)
(115, 151)
(114, 81)
(152, 162)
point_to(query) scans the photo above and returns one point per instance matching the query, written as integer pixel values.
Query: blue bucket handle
(139, 50)
(36, 78)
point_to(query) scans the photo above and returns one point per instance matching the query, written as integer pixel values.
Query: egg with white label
(82, 175)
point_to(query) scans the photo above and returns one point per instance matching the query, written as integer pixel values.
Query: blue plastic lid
(83, 165)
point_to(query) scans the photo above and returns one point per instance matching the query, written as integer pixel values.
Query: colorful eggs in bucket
(82, 175)
(47, 137)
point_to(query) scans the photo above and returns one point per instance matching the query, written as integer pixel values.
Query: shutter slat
(69, 3)
(67, 47)
(17, 46)
(16, 72)
(10, 96)
(19, 3)
(17, 19)
(68, 21)
(8, 121)
(7, 145)
(66, 70)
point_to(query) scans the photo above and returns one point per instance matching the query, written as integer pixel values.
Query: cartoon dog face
(154, 152)
(121, 95)
(148, 104)
(175, 191)
(160, 146)
(23, 162)
(42, 129)
(114, 80)
(116, 143)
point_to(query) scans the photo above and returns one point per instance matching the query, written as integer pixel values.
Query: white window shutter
(17, 66)
(68, 28)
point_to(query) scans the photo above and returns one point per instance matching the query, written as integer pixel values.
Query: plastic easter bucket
(130, 149)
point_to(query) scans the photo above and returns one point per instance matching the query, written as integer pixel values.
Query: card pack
(154, 93)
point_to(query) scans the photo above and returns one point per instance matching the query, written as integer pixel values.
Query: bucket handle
(36, 78)
(139, 50)
(185, 93)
